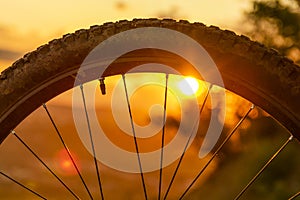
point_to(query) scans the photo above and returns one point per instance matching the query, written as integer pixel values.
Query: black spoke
(294, 196)
(23, 186)
(43, 163)
(264, 167)
(135, 139)
(68, 151)
(163, 138)
(217, 151)
(205, 98)
(186, 145)
(92, 142)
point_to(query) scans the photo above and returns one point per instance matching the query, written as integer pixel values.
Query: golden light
(189, 86)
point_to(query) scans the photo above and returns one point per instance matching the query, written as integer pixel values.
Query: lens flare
(64, 164)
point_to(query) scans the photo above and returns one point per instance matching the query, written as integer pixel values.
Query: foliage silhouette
(277, 25)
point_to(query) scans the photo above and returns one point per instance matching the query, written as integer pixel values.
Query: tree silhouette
(277, 25)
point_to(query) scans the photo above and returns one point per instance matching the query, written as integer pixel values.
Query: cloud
(120, 5)
(9, 55)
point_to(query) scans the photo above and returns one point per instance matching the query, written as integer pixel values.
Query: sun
(188, 86)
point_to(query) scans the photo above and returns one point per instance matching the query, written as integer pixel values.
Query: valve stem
(102, 86)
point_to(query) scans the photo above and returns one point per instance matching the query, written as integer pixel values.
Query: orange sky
(25, 25)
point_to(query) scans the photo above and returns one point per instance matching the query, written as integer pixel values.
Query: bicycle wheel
(248, 69)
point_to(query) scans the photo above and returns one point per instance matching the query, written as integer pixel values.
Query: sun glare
(188, 86)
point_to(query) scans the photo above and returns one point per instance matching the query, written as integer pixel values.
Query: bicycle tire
(248, 68)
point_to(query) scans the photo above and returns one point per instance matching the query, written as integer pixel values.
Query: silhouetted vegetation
(276, 24)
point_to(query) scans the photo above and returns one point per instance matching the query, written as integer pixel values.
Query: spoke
(45, 165)
(92, 142)
(135, 139)
(205, 98)
(186, 145)
(217, 151)
(23, 186)
(264, 167)
(163, 138)
(294, 196)
(68, 151)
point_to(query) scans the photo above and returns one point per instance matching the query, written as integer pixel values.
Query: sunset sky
(26, 25)
(150, 111)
